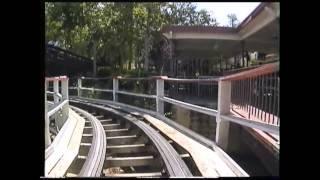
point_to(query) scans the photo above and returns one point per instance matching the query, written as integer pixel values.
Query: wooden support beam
(68, 147)
(127, 148)
(46, 122)
(151, 174)
(160, 94)
(224, 98)
(129, 161)
(115, 82)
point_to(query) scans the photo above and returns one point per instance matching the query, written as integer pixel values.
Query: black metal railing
(257, 97)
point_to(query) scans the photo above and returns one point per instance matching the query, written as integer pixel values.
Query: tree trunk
(147, 43)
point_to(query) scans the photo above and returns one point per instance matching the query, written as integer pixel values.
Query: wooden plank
(185, 155)
(105, 120)
(116, 130)
(60, 144)
(122, 137)
(151, 174)
(82, 157)
(110, 125)
(72, 150)
(129, 161)
(117, 140)
(132, 148)
(207, 161)
(71, 175)
(85, 144)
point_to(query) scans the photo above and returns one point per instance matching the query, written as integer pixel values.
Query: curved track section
(92, 148)
(150, 155)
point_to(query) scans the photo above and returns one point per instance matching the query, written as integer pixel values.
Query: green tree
(120, 34)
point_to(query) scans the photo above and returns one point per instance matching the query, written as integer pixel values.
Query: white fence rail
(60, 105)
(222, 114)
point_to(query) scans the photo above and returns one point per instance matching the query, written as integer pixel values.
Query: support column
(55, 90)
(64, 89)
(47, 139)
(242, 52)
(224, 98)
(56, 116)
(160, 93)
(79, 87)
(115, 88)
(65, 96)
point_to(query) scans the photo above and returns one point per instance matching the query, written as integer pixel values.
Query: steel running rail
(173, 162)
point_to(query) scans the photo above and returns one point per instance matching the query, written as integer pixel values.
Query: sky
(221, 10)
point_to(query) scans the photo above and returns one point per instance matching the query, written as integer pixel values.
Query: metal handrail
(136, 94)
(55, 94)
(200, 109)
(60, 103)
(161, 98)
(262, 70)
(191, 80)
(57, 108)
(95, 89)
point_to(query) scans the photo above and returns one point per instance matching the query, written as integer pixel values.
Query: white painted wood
(46, 124)
(224, 99)
(160, 94)
(151, 174)
(79, 87)
(252, 124)
(56, 91)
(115, 89)
(94, 89)
(65, 89)
(204, 110)
(135, 94)
(103, 90)
(55, 109)
(207, 161)
(59, 145)
(72, 150)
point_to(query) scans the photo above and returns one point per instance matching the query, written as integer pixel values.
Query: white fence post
(56, 91)
(79, 87)
(65, 96)
(64, 89)
(160, 93)
(224, 98)
(56, 101)
(115, 87)
(46, 124)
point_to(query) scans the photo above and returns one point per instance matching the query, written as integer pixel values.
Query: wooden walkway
(67, 148)
(208, 161)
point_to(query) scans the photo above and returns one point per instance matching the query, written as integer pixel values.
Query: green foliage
(104, 71)
(121, 34)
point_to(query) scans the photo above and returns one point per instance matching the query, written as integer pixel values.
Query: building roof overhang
(255, 29)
